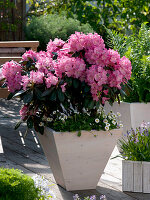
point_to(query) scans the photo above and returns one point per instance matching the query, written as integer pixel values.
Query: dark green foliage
(80, 121)
(137, 49)
(48, 27)
(14, 185)
(125, 16)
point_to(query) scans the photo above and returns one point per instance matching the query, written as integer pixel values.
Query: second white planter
(136, 176)
(132, 114)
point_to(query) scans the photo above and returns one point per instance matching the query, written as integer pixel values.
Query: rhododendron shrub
(69, 77)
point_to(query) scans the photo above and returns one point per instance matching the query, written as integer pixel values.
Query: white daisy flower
(107, 124)
(105, 121)
(114, 122)
(107, 128)
(121, 125)
(65, 117)
(104, 116)
(114, 115)
(41, 124)
(97, 120)
(109, 116)
(49, 119)
(118, 114)
(54, 112)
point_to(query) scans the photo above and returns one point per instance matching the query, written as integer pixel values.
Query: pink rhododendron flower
(72, 67)
(63, 87)
(36, 77)
(29, 55)
(23, 112)
(54, 46)
(51, 80)
(12, 72)
(44, 62)
(25, 81)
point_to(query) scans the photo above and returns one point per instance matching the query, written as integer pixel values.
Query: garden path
(26, 154)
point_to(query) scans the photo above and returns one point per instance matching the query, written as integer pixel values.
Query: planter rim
(73, 132)
(134, 102)
(131, 161)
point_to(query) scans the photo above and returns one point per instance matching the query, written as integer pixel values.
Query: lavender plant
(137, 145)
(93, 197)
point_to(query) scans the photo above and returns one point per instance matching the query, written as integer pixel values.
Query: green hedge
(48, 27)
(14, 185)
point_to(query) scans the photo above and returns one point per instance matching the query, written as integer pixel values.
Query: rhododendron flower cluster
(11, 71)
(69, 76)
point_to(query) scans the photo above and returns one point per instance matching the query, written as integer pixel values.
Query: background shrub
(136, 47)
(14, 185)
(53, 26)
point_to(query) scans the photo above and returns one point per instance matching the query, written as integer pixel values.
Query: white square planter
(77, 163)
(136, 176)
(132, 114)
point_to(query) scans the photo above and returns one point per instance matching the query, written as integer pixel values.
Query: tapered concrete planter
(77, 163)
(136, 176)
(132, 114)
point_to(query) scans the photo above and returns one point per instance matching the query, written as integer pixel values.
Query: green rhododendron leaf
(91, 104)
(76, 83)
(53, 96)
(18, 124)
(19, 93)
(61, 95)
(47, 92)
(10, 96)
(30, 122)
(28, 97)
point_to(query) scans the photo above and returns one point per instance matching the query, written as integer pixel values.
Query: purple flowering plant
(93, 197)
(135, 145)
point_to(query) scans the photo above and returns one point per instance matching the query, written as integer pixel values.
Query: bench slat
(32, 44)
(4, 93)
(6, 59)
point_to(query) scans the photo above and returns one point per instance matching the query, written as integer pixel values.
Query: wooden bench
(10, 46)
(12, 50)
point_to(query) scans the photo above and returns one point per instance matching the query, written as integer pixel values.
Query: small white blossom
(49, 119)
(97, 120)
(114, 115)
(118, 114)
(105, 121)
(63, 120)
(107, 124)
(65, 117)
(107, 128)
(54, 112)
(121, 125)
(114, 122)
(104, 116)
(41, 124)
(109, 116)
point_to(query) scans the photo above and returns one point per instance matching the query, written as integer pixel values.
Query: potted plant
(136, 164)
(62, 90)
(134, 106)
